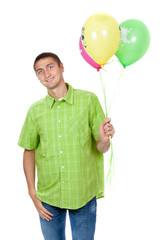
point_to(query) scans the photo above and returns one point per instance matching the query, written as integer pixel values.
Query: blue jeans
(83, 221)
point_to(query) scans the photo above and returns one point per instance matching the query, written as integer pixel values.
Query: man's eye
(50, 67)
(40, 72)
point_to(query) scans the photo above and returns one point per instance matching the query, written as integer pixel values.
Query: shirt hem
(68, 207)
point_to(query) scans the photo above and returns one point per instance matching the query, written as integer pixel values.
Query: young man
(65, 135)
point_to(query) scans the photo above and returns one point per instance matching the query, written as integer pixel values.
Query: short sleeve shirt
(70, 169)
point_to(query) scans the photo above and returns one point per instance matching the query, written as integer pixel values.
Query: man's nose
(47, 73)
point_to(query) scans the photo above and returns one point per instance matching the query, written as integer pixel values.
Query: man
(64, 135)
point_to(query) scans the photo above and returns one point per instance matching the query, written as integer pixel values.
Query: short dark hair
(45, 55)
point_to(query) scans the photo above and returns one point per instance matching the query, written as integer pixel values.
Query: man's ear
(62, 67)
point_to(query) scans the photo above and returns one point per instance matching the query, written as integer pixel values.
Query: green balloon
(135, 40)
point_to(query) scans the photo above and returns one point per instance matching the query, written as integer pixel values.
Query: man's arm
(106, 129)
(103, 147)
(29, 170)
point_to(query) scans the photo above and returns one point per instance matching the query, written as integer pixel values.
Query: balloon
(135, 40)
(101, 37)
(86, 57)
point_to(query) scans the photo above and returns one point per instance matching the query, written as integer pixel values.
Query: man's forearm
(103, 147)
(29, 170)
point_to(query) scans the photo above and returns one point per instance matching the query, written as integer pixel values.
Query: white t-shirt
(60, 98)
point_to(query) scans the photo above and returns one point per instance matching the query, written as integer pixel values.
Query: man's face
(49, 73)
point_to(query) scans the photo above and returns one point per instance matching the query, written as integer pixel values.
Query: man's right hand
(29, 170)
(43, 212)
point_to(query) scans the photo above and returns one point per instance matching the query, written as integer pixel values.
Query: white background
(131, 210)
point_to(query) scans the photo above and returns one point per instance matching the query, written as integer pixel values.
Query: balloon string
(115, 91)
(107, 64)
(111, 170)
(104, 95)
(110, 61)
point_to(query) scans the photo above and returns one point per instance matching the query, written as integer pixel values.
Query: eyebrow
(44, 66)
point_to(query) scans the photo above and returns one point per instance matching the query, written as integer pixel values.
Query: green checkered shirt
(70, 169)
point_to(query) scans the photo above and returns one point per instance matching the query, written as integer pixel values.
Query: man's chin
(52, 86)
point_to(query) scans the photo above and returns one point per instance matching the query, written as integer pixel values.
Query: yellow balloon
(101, 37)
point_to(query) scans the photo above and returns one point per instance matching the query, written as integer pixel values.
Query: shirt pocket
(84, 133)
(48, 145)
(80, 131)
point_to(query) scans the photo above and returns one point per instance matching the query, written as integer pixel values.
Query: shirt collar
(68, 97)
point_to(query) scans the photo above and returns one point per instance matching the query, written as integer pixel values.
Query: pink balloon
(87, 58)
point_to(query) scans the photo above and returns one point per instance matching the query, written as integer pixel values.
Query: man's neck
(58, 92)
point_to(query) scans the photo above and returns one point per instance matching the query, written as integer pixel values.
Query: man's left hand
(106, 129)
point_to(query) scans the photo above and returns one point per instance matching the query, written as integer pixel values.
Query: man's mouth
(49, 80)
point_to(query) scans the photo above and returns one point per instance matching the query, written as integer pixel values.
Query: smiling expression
(49, 73)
